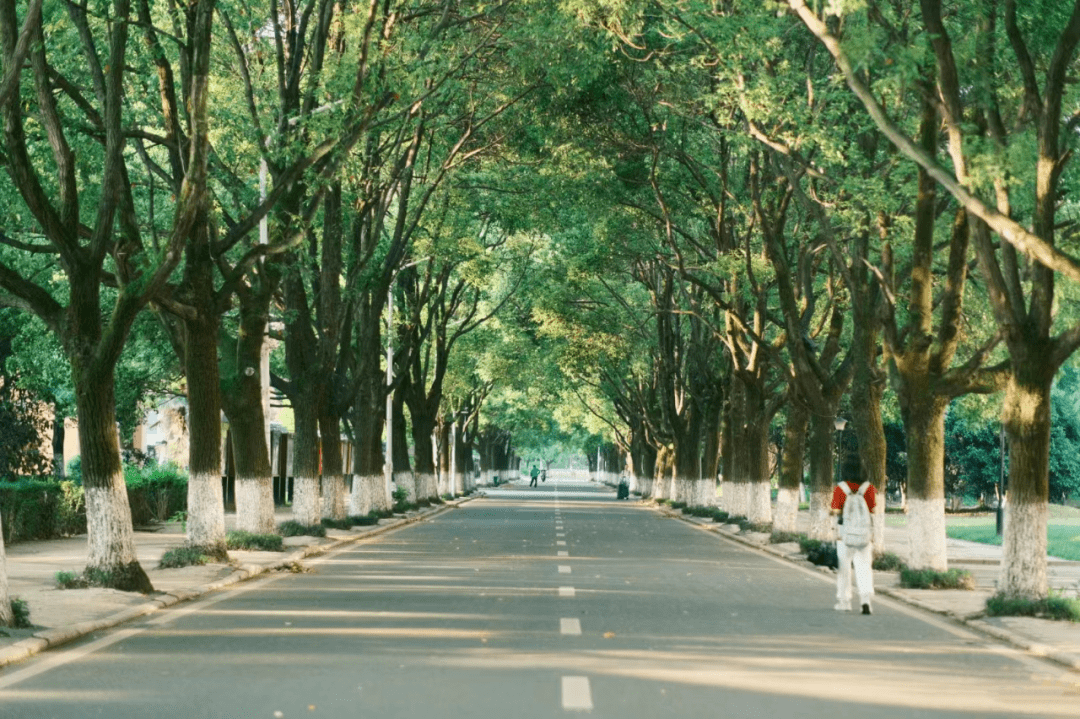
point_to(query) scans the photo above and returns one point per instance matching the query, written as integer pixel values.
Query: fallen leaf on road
(609, 635)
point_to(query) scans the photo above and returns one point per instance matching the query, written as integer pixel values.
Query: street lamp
(839, 423)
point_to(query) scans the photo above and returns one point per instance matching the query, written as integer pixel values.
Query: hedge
(41, 509)
(44, 508)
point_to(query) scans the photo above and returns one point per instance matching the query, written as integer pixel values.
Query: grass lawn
(1063, 531)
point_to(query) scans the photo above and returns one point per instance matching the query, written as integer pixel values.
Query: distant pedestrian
(853, 503)
(534, 473)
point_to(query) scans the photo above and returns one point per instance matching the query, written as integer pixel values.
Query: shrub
(821, 553)
(188, 555)
(20, 612)
(784, 537)
(155, 492)
(933, 579)
(328, 523)
(1052, 607)
(240, 539)
(364, 520)
(678, 505)
(292, 528)
(70, 580)
(719, 515)
(401, 499)
(41, 509)
(888, 562)
(747, 526)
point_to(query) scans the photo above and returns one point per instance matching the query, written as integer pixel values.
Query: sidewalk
(1056, 640)
(63, 615)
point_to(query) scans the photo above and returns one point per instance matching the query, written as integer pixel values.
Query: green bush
(888, 562)
(70, 580)
(720, 516)
(155, 492)
(1052, 607)
(933, 579)
(20, 610)
(401, 499)
(292, 528)
(188, 555)
(41, 509)
(364, 520)
(328, 523)
(239, 539)
(784, 537)
(678, 505)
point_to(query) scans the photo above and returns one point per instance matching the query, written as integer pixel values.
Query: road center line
(560, 543)
(567, 592)
(576, 694)
(563, 569)
(570, 626)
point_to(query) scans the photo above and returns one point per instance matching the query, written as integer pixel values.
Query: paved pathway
(535, 603)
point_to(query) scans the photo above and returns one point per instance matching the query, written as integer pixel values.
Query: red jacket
(838, 496)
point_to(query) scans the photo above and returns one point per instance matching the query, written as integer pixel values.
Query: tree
(58, 196)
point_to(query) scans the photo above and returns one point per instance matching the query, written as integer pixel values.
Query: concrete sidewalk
(63, 615)
(1056, 640)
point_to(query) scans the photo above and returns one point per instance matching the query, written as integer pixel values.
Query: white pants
(864, 574)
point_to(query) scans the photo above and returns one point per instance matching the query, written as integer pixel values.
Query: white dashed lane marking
(560, 543)
(567, 592)
(576, 694)
(570, 626)
(564, 554)
(563, 569)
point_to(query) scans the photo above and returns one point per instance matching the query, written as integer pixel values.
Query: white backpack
(856, 529)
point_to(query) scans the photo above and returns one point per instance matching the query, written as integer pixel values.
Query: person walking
(853, 505)
(534, 473)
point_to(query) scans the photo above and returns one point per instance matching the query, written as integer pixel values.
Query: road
(537, 603)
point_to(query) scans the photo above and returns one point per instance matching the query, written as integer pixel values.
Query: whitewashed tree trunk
(206, 509)
(879, 525)
(727, 494)
(408, 481)
(255, 504)
(333, 496)
(306, 501)
(786, 518)
(110, 537)
(759, 503)
(364, 490)
(926, 534)
(1023, 564)
(427, 486)
(820, 516)
(7, 618)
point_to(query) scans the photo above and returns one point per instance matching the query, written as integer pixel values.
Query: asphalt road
(477, 614)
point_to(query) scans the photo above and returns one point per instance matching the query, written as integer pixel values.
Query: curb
(51, 638)
(975, 623)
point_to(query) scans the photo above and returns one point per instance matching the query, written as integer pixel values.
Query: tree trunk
(369, 477)
(59, 469)
(306, 499)
(403, 475)
(821, 476)
(757, 486)
(423, 425)
(1026, 415)
(7, 617)
(924, 428)
(206, 507)
(111, 559)
(446, 475)
(786, 518)
(333, 476)
(867, 388)
(241, 396)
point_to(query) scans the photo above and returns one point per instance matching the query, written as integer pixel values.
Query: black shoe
(866, 609)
